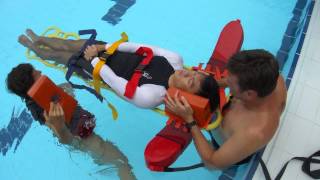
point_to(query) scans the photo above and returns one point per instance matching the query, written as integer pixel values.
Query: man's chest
(237, 117)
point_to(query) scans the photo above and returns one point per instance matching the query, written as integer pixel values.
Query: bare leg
(104, 152)
(61, 57)
(56, 43)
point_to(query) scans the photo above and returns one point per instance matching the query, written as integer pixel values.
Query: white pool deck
(299, 131)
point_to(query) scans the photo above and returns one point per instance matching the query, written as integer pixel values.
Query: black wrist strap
(191, 124)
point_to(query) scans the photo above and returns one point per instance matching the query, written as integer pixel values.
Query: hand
(222, 82)
(179, 106)
(90, 52)
(55, 119)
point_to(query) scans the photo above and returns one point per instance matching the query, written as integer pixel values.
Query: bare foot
(25, 41)
(34, 37)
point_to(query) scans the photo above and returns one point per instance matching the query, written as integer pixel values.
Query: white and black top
(154, 82)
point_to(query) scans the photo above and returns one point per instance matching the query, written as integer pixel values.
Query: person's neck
(256, 104)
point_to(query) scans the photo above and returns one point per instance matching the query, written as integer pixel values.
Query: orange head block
(44, 91)
(200, 106)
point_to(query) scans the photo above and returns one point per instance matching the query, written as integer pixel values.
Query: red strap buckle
(135, 78)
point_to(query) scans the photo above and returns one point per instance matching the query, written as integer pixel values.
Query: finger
(60, 110)
(87, 51)
(176, 94)
(54, 111)
(92, 48)
(45, 115)
(185, 102)
(177, 99)
(86, 57)
(51, 109)
(169, 104)
(171, 108)
(170, 100)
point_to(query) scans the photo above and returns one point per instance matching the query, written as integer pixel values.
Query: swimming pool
(190, 28)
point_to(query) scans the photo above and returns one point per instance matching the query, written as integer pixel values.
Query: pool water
(191, 28)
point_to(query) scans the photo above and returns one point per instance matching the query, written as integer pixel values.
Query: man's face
(188, 80)
(36, 74)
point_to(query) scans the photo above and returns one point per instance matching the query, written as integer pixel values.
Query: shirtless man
(252, 116)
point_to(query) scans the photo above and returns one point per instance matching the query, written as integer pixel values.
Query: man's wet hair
(210, 89)
(20, 79)
(256, 70)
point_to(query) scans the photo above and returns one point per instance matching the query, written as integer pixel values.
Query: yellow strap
(96, 75)
(115, 45)
(216, 123)
(110, 51)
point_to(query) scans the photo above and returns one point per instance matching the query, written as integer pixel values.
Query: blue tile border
(303, 35)
(282, 56)
(292, 32)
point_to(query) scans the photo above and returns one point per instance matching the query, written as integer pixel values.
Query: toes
(29, 31)
(24, 41)
(22, 38)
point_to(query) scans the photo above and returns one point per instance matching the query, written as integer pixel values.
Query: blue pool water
(191, 28)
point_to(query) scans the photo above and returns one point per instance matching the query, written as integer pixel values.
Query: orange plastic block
(200, 106)
(44, 91)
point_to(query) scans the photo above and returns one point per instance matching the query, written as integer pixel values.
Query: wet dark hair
(20, 79)
(256, 70)
(210, 89)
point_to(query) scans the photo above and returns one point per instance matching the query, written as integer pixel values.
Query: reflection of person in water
(79, 134)
(164, 71)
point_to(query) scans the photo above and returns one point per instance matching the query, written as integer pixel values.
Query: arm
(236, 148)
(173, 58)
(146, 96)
(56, 122)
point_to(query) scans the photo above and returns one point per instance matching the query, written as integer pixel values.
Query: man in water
(79, 134)
(250, 118)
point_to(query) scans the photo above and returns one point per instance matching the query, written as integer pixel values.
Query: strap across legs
(72, 63)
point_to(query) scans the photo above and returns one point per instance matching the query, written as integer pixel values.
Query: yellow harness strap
(99, 65)
(216, 123)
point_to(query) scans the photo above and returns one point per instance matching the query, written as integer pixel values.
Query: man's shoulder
(262, 132)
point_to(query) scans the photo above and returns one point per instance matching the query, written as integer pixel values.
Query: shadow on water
(18, 126)
(117, 11)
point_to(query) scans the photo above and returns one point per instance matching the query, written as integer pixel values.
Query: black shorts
(82, 123)
(244, 161)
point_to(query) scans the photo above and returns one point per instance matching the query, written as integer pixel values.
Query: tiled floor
(299, 131)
